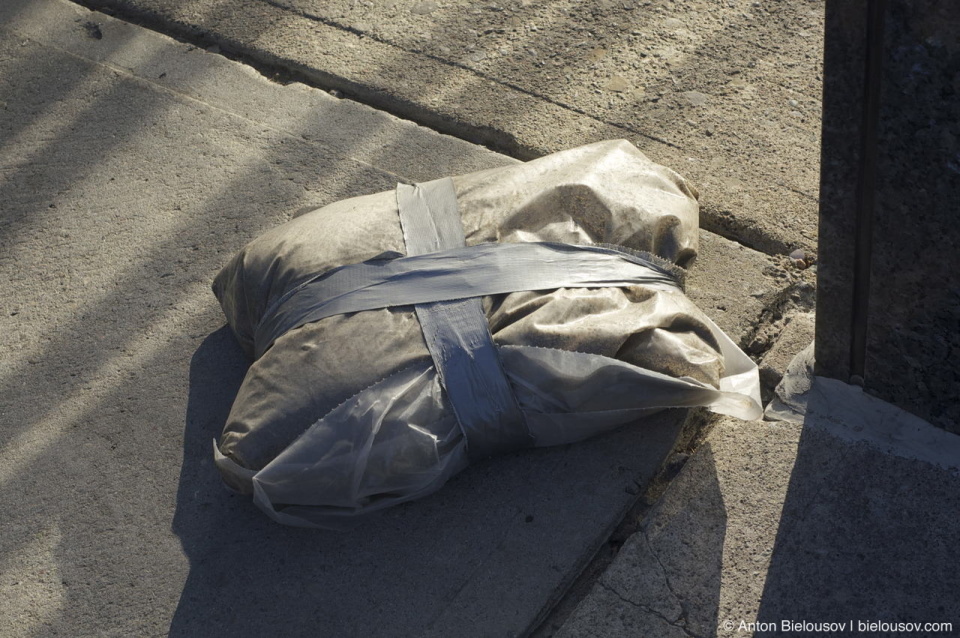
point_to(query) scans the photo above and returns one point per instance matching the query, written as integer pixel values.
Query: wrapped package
(398, 336)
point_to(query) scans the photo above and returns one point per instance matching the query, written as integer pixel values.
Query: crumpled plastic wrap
(346, 415)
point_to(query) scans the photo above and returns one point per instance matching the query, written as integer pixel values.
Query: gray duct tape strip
(456, 273)
(456, 332)
(429, 217)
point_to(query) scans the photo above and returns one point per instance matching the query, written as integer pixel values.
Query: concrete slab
(797, 334)
(735, 285)
(727, 93)
(775, 521)
(133, 167)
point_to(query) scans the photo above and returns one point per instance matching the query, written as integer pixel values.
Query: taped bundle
(398, 336)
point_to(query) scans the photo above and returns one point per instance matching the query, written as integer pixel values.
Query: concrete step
(726, 93)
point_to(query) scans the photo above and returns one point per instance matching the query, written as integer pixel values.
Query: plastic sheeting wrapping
(344, 414)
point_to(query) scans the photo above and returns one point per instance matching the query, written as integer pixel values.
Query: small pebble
(793, 103)
(423, 8)
(799, 258)
(696, 98)
(335, 93)
(617, 84)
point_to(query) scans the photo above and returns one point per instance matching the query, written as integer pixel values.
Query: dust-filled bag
(398, 336)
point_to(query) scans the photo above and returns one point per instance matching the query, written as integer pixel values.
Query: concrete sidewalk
(727, 93)
(132, 168)
(845, 514)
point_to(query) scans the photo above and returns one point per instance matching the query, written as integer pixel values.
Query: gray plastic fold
(312, 483)
(457, 273)
(456, 332)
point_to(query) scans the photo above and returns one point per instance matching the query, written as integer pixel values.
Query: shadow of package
(398, 336)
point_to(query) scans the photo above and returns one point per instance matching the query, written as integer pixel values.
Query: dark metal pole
(866, 186)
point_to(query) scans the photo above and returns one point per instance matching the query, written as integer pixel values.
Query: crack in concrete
(793, 297)
(648, 610)
(684, 612)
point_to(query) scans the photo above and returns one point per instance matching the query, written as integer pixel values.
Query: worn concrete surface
(797, 334)
(728, 93)
(132, 168)
(773, 521)
(740, 288)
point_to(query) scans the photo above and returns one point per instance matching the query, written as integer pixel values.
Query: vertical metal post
(888, 274)
(866, 186)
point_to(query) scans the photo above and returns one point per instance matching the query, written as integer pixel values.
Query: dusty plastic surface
(346, 415)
